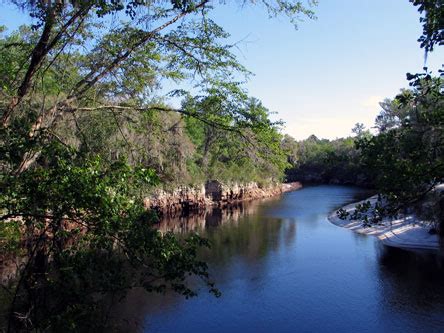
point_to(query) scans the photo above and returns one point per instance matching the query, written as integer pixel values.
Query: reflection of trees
(253, 238)
(212, 217)
(289, 232)
(182, 224)
(411, 280)
(237, 230)
(238, 234)
(129, 314)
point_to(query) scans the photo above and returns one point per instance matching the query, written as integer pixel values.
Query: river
(282, 267)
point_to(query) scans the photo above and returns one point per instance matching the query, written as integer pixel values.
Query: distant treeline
(316, 160)
(404, 158)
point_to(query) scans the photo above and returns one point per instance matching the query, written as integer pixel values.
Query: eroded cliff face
(214, 193)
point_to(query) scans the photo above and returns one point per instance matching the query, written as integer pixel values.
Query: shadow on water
(412, 288)
(412, 277)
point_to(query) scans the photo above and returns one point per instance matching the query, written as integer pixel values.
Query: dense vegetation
(406, 157)
(86, 131)
(316, 160)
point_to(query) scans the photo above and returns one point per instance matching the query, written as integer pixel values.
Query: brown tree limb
(85, 84)
(92, 77)
(39, 53)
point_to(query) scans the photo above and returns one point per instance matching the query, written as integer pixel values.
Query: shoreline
(407, 233)
(185, 200)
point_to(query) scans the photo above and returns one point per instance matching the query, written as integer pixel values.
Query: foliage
(93, 85)
(432, 23)
(407, 156)
(86, 130)
(86, 233)
(369, 214)
(324, 161)
(248, 152)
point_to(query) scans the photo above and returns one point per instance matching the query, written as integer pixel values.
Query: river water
(282, 267)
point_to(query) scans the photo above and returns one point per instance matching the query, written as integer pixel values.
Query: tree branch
(163, 109)
(39, 53)
(92, 77)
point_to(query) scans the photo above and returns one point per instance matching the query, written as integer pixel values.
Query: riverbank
(407, 232)
(214, 193)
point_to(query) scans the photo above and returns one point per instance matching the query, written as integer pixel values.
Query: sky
(330, 73)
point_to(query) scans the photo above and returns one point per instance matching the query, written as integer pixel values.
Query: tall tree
(70, 207)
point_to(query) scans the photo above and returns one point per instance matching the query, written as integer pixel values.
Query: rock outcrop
(214, 193)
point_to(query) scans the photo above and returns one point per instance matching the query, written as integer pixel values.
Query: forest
(87, 132)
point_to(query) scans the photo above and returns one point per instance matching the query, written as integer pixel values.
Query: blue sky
(330, 73)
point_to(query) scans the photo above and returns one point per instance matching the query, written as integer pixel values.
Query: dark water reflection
(282, 267)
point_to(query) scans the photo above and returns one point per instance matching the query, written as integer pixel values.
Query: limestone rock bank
(214, 193)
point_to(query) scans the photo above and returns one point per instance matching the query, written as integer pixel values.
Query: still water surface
(282, 267)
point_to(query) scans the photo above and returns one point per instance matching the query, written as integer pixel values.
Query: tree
(76, 86)
(406, 158)
(254, 154)
(291, 148)
(325, 161)
(432, 23)
(358, 129)
(83, 232)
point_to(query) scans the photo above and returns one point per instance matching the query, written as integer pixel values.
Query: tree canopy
(86, 134)
(406, 158)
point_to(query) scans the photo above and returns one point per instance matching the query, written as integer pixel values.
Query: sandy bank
(407, 232)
